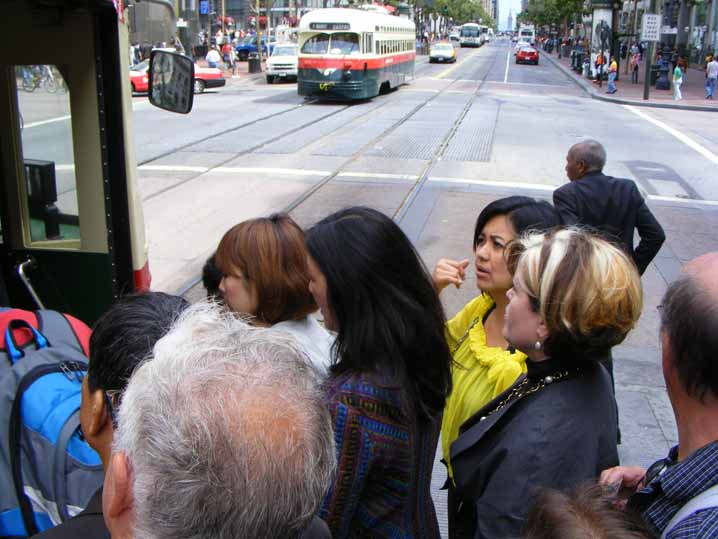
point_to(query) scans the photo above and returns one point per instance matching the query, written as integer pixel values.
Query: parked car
(249, 45)
(527, 55)
(454, 36)
(442, 52)
(204, 77)
(283, 62)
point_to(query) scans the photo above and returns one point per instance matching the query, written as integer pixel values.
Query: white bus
(527, 31)
(470, 35)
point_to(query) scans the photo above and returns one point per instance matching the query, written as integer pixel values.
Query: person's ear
(117, 499)
(99, 415)
(542, 331)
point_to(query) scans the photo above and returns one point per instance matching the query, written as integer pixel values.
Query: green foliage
(462, 11)
(546, 12)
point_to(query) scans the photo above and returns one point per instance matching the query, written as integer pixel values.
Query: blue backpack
(48, 472)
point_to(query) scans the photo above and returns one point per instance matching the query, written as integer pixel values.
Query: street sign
(650, 27)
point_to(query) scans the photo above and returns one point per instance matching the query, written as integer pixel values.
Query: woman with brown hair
(263, 263)
(574, 296)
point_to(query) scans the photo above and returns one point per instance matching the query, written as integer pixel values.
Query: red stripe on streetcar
(355, 63)
(143, 278)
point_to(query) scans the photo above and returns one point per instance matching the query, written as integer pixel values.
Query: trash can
(655, 70)
(579, 62)
(255, 65)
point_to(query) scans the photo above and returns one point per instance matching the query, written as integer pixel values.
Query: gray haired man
(678, 496)
(223, 435)
(612, 206)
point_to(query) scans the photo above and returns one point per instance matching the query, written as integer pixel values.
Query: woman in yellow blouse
(484, 364)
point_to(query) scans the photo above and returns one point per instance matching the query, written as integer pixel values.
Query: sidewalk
(242, 70)
(693, 88)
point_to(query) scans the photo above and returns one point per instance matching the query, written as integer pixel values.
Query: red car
(204, 77)
(527, 55)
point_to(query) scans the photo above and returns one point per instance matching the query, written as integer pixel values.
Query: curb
(591, 92)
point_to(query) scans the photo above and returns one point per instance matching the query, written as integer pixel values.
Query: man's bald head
(689, 323)
(704, 270)
(585, 157)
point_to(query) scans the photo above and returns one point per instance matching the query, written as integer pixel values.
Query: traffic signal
(445, 10)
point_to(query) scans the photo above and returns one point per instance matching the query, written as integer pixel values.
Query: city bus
(72, 229)
(470, 35)
(350, 54)
(528, 33)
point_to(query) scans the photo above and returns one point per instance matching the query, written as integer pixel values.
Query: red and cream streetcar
(354, 54)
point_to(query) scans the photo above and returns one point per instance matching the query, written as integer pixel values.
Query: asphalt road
(431, 154)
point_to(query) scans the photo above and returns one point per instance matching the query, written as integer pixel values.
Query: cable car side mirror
(171, 81)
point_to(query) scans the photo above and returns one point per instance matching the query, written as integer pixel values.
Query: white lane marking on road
(527, 84)
(492, 183)
(506, 73)
(45, 122)
(705, 152)
(173, 168)
(135, 105)
(377, 175)
(684, 200)
(262, 170)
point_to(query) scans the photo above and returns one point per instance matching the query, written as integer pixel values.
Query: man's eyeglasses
(113, 398)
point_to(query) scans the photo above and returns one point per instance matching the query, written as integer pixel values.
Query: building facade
(688, 26)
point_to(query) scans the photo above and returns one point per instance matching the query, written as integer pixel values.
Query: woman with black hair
(390, 377)
(484, 364)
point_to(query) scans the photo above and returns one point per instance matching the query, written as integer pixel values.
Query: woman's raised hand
(448, 272)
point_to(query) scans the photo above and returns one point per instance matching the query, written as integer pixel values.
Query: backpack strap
(59, 478)
(14, 350)
(58, 330)
(705, 500)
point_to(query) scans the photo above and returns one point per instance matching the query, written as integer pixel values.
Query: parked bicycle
(45, 76)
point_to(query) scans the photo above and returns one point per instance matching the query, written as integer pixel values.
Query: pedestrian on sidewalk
(711, 78)
(635, 65)
(677, 81)
(612, 73)
(213, 58)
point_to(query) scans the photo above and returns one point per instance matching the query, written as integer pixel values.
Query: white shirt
(314, 340)
(712, 69)
(213, 56)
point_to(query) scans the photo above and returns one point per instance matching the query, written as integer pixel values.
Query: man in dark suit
(611, 206)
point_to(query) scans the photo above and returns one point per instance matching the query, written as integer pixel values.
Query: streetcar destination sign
(650, 27)
(329, 26)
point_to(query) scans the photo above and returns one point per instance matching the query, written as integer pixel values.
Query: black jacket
(614, 207)
(91, 525)
(87, 524)
(556, 437)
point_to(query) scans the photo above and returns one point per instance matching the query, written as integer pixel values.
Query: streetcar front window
(318, 44)
(345, 43)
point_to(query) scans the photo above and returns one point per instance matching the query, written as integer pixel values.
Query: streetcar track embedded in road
(247, 150)
(341, 169)
(413, 193)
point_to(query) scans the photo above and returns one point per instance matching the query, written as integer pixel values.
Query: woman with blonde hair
(574, 296)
